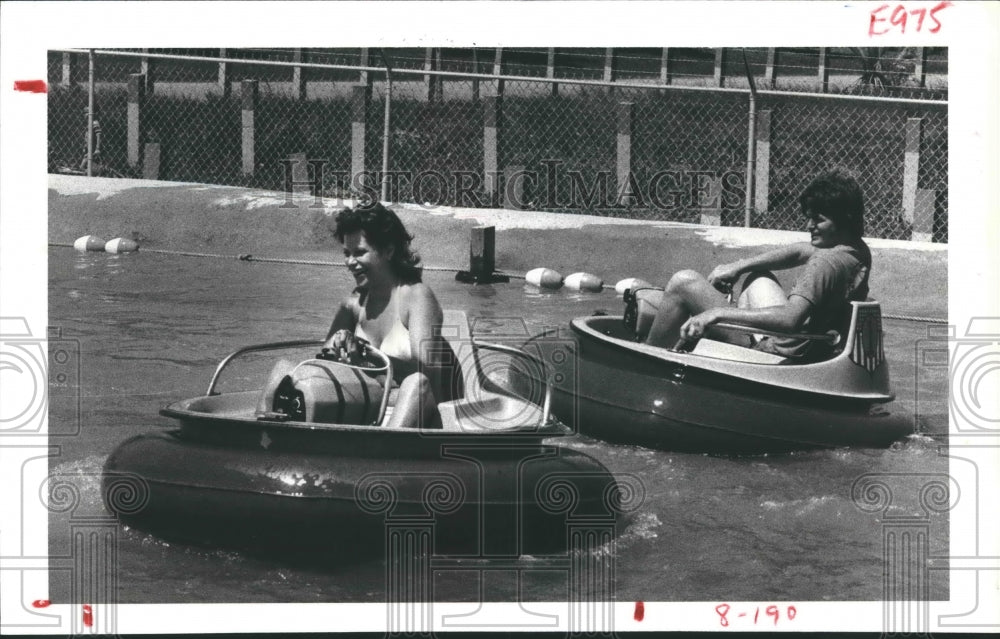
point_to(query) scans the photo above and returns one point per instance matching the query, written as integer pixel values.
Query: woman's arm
(786, 318)
(346, 317)
(776, 260)
(423, 314)
(340, 338)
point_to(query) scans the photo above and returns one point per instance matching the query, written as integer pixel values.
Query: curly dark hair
(383, 229)
(836, 195)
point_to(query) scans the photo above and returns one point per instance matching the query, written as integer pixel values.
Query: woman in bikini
(394, 311)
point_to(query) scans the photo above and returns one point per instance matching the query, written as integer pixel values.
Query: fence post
(772, 56)
(147, 68)
(433, 82)
(498, 70)
(151, 161)
(68, 75)
(492, 124)
(248, 97)
(609, 67)
(91, 122)
(665, 66)
(925, 210)
(439, 79)
(911, 167)
(513, 187)
(762, 171)
(711, 208)
(550, 71)
(298, 75)
(918, 68)
(624, 164)
(364, 77)
(225, 84)
(359, 133)
(386, 127)
(720, 55)
(475, 69)
(823, 73)
(136, 105)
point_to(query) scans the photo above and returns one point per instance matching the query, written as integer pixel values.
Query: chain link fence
(658, 134)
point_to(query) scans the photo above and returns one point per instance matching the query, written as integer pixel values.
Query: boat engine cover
(328, 392)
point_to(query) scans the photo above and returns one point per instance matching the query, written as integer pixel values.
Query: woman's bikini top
(395, 344)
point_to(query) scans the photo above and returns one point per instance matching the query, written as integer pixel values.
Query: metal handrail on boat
(272, 346)
(832, 337)
(510, 350)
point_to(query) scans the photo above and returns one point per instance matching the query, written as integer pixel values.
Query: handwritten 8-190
(888, 18)
(753, 614)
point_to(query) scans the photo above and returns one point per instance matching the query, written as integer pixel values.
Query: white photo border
(30, 29)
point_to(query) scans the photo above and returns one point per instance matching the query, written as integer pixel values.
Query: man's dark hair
(837, 195)
(382, 229)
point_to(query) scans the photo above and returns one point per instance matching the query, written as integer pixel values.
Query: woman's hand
(346, 347)
(724, 276)
(694, 329)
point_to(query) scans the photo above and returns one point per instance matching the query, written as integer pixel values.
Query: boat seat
(478, 409)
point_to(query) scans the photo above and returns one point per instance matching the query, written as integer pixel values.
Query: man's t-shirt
(830, 281)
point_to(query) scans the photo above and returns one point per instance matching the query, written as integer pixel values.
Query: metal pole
(751, 145)
(90, 113)
(386, 126)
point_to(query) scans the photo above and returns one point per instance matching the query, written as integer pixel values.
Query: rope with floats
(248, 257)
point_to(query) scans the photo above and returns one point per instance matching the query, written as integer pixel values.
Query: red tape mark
(640, 611)
(30, 86)
(88, 615)
(41, 603)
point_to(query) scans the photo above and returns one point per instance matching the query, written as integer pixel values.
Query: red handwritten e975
(883, 20)
(774, 612)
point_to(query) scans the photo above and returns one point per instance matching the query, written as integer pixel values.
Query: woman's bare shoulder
(351, 304)
(419, 297)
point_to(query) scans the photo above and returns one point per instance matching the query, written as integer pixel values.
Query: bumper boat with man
(308, 463)
(720, 398)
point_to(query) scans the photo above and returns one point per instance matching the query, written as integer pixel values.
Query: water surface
(152, 327)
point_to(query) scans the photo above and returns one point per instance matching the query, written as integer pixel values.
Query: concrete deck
(909, 278)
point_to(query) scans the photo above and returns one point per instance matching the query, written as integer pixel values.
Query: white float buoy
(544, 278)
(584, 282)
(121, 245)
(89, 243)
(630, 282)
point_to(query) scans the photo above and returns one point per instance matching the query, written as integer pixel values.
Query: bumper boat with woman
(402, 417)
(683, 369)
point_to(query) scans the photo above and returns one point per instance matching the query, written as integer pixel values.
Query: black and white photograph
(446, 317)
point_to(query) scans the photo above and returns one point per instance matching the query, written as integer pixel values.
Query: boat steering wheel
(371, 361)
(367, 359)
